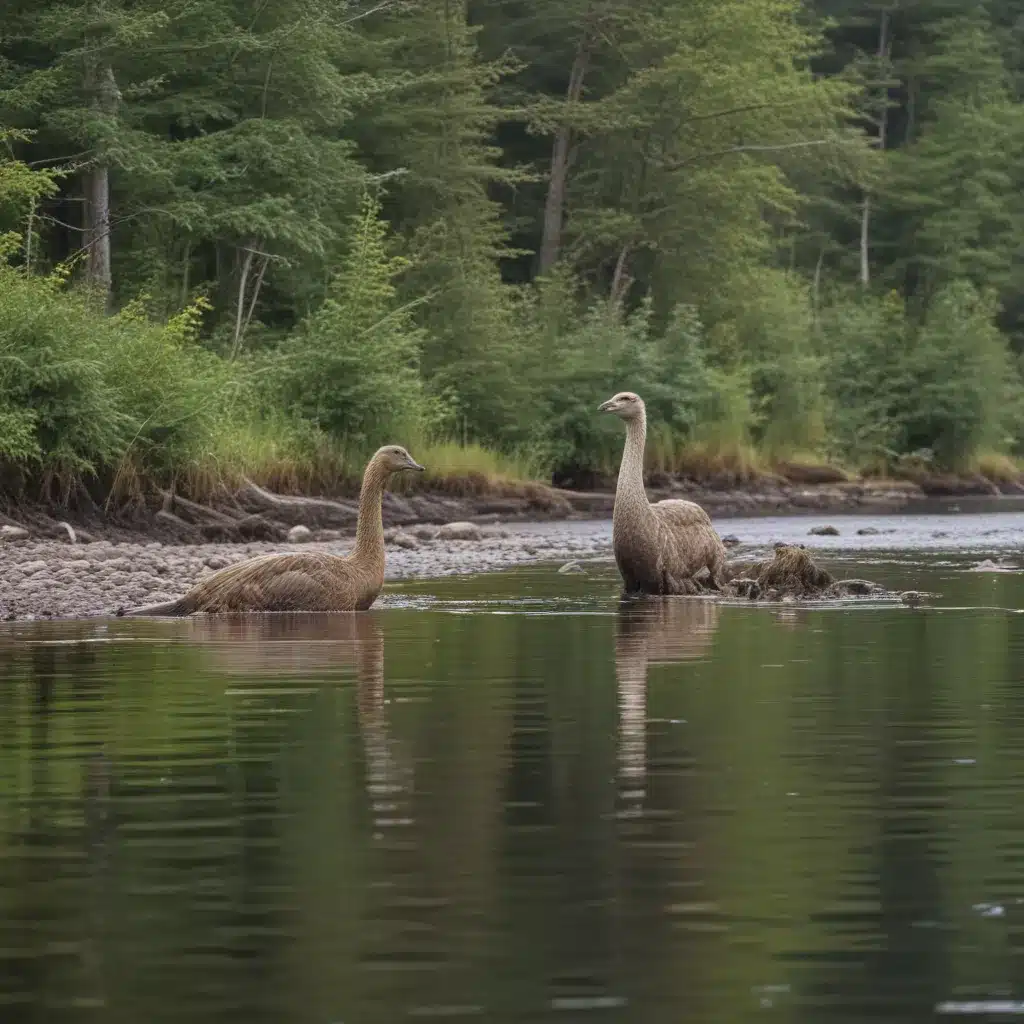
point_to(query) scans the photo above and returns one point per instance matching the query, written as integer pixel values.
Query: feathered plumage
(658, 548)
(309, 581)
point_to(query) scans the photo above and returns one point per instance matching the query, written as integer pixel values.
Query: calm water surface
(507, 798)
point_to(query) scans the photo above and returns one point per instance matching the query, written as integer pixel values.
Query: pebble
(42, 578)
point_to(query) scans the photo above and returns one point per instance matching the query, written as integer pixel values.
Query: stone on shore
(459, 531)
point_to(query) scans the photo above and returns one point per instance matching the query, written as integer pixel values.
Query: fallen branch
(204, 512)
(298, 509)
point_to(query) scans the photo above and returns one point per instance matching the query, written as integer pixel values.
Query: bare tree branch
(674, 165)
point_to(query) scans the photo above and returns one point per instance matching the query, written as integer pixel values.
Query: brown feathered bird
(311, 581)
(658, 548)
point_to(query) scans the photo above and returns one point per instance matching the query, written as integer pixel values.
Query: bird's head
(394, 458)
(625, 405)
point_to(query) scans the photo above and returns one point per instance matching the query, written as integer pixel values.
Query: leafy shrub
(605, 351)
(938, 392)
(81, 393)
(865, 341)
(775, 338)
(964, 391)
(352, 368)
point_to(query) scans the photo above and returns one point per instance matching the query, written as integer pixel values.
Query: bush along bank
(127, 423)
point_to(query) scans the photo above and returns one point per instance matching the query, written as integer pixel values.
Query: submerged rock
(730, 540)
(860, 588)
(989, 566)
(823, 531)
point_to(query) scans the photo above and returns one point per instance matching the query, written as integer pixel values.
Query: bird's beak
(606, 406)
(416, 466)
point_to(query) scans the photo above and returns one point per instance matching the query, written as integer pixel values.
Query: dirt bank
(255, 515)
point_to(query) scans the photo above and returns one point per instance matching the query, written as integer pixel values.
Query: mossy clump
(791, 574)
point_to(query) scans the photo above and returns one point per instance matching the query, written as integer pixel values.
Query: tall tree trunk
(816, 286)
(884, 44)
(105, 100)
(865, 237)
(620, 278)
(554, 204)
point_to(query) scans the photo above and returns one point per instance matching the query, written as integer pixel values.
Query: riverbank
(253, 514)
(57, 579)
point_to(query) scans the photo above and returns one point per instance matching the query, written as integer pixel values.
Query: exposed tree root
(296, 510)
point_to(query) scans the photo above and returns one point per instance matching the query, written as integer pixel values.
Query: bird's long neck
(369, 548)
(630, 496)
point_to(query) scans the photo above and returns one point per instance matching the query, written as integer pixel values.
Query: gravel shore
(48, 578)
(57, 579)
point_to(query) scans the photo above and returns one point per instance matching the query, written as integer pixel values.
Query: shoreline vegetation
(250, 512)
(239, 250)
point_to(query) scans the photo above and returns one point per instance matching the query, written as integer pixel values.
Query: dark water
(507, 799)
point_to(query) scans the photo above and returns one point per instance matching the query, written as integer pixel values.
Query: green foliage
(944, 390)
(965, 390)
(707, 180)
(593, 356)
(83, 395)
(865, 342)
(352, 368)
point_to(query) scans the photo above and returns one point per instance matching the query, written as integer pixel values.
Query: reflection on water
(412, 813)
(657, 631)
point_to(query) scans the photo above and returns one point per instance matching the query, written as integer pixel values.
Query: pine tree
(431, 134)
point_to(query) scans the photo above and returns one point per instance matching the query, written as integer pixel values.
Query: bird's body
(310, 581)
(659, 548)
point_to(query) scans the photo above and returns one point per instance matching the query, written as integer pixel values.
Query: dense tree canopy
(796, 226)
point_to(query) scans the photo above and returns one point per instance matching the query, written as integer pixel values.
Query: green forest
(250, 239)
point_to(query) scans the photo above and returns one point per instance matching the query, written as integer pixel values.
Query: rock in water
(299, 534)
(857, 588)
(459, 531)
(823, 531)
(730, 540)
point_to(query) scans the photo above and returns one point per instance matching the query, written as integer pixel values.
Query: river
(508, 797)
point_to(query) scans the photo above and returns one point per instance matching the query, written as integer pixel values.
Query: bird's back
(688, 541)
(304, 581)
